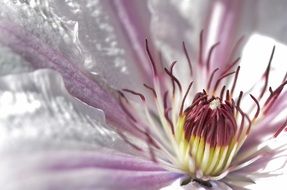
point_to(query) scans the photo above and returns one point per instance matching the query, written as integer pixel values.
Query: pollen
(214, 104)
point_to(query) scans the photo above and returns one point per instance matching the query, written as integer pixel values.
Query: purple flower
(136, 95)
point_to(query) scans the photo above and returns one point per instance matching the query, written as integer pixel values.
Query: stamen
(210, 54)
(241, 126)
(248, 119)
(266, 74)
(151, 89)
(200, 48)
(280, 129)
(151, 58)
(135, 93)
(230, 66)
(184, 98)
(173, 83)
(123, 96)
(166, 112)
(187, 57)
(124, 107)
(235, 80)
(219, 80)
(239, 99)
(258, 107)
(196, 101)
(174, 79)
(270, 90)
(211, 77)
(129, 142)
(222, 92)
(151, 140)
(285, 77)
(273, 97)
(227, 97)
(165, 100)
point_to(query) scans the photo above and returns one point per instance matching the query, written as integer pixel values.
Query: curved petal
(101, 36)
(81, 170)
(86, 32)
(134, 17)
(78, 83)
(37, 110)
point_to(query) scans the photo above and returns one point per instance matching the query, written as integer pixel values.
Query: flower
(121, 125)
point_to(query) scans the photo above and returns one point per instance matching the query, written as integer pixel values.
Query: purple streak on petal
(78, 83)
(227, 31)
(104, 180)
(263, 130)
(80, 160)
(85, 170)
(227, 27)
(134, 19)
(257, 165)
(266, 155)
(266, 127)
(279, 104)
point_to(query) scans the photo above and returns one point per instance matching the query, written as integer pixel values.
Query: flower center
(211, 120)
(201, 139)
(209, 127)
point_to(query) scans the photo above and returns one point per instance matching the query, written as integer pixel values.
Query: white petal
(10, 62)
(175, 21)
(37, 112)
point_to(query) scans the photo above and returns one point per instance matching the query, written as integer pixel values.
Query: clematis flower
(136, 95)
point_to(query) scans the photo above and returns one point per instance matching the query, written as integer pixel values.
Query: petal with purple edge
(88, 33)
(78, 83)
(105, 44)
(83, 170)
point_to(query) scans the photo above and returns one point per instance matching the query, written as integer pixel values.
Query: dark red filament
(210, 55)
(151, 58)
(187, 57)
(266, 74)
